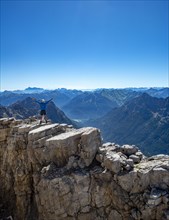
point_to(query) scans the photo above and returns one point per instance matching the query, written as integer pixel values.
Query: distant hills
(143, 121)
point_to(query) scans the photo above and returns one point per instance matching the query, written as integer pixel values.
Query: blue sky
(84, 44)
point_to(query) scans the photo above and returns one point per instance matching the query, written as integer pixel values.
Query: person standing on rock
(43, 105)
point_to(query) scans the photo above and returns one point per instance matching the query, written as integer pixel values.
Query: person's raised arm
(49, 100)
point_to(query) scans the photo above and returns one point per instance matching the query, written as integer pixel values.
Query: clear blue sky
(84, 44)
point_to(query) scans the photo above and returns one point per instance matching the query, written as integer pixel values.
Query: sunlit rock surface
(54, 171)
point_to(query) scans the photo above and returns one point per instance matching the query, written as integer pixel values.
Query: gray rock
(135, 158)
(166, 213)
(129, 149)
(112, 162)
(154, 202)
(130, 162)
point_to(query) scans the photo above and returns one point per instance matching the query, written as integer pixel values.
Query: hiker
(43, 105)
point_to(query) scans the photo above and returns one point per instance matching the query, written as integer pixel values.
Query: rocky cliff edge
(55, 172)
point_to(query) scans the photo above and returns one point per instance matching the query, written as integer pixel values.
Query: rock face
(57, 172)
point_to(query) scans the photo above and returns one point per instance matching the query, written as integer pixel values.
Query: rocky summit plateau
(55, 172)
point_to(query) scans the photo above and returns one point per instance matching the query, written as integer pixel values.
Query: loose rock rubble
(54, 171)
(118, 158)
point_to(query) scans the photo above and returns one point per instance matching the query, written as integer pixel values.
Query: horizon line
(84, 89)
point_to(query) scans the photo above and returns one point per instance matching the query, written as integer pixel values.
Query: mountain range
(88, 105)
(137, 116)
(81, 105)
(143, 121)
(95, 104)
(60, 96)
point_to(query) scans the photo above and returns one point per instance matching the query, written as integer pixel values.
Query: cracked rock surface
(55, 172)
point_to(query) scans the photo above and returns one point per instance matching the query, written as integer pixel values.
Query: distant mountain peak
(34, 88)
